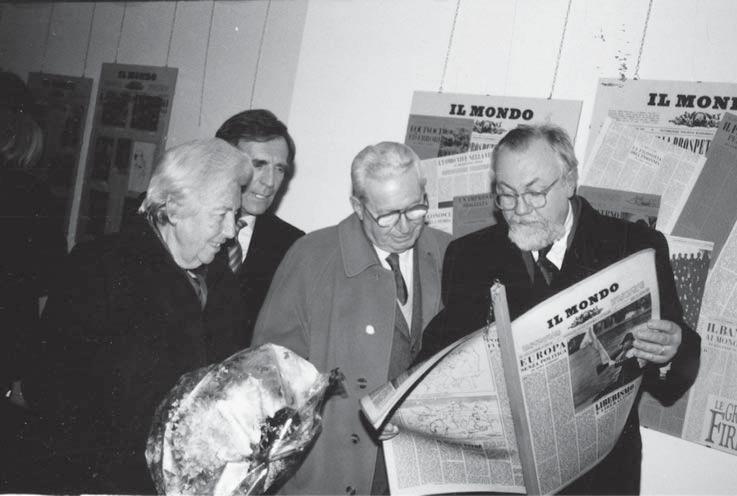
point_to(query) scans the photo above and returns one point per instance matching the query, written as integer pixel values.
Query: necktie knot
(393, 261)
(235, 252)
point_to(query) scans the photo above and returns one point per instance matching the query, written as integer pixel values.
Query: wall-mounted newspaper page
(711, 416)
(477, 416)
(707, 414)
(620, 204)
(454, 134)
(711, 210)
(684, 113)
(631, 160)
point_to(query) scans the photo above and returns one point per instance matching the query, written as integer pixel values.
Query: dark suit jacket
(271, 239)
(121, 326)
(473, 262)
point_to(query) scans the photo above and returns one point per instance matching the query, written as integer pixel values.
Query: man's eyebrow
(530, 183)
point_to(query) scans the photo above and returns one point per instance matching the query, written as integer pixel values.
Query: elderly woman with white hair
(130, 314)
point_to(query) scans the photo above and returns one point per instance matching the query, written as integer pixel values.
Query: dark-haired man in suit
(263, 238)
(548, 239)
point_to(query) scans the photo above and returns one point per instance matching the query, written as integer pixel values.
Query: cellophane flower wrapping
(241, 426)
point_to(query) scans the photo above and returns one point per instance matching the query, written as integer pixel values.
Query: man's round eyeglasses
(411, 213)
(535, 199)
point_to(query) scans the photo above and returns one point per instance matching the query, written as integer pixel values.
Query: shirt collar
(250, 221)
(382, 254)
(558, 250)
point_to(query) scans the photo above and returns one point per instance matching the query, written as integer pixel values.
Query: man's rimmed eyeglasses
(411, 213)
(534, 199)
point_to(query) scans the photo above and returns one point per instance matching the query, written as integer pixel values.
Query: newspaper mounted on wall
(706, 415)
(684, 113)
(711, 416)
(454, 134)
(452, 177)
(627, 205)
(630, 160)
(477, 416)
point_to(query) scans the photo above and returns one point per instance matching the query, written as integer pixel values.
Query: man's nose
(267, 176)
(522, 208)
(403, 224)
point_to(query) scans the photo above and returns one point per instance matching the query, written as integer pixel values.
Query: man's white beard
(535, 235)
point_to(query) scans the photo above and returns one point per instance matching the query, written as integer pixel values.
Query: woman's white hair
(188, 172)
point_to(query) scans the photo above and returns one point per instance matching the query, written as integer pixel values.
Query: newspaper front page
(451, 177)
(711, 417)
(570, 377)
(442, 124)
(567, 375)
(684, 113)
(454, 135)
(624, 158)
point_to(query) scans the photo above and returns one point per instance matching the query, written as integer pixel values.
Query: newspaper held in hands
(526, 407)
(237, 427)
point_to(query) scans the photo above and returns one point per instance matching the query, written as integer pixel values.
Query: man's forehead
(407, 182)
(537, 160)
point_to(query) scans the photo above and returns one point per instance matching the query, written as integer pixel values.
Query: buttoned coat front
(333, 303)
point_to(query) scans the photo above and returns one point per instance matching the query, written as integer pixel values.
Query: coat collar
(357, 252)
(355, 248)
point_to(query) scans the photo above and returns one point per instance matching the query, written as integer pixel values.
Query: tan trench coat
(333, 303)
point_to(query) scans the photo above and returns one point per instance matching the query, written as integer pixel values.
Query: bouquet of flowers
(239, 426)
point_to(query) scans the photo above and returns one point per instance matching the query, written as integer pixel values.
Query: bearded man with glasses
(357, 296)
(548, 238)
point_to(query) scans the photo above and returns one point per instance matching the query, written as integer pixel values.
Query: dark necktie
(548, 268)
(235, 252)
(198, 278)
(393, 261)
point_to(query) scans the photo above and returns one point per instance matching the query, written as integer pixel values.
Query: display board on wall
(454, 135)
(697, 211)
(61, 104)
(685, 113)
(128, 136)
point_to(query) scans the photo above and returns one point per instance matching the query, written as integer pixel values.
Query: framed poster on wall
(128, 136)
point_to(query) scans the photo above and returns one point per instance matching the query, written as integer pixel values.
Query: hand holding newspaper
(523, 406)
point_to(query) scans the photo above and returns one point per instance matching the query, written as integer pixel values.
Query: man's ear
(173, 211)
(357, 207)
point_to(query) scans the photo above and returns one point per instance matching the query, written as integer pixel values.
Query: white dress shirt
(406, 267)
(558, 251)
(245, 234)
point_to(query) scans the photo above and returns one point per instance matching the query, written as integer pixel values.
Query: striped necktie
(235, 252)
